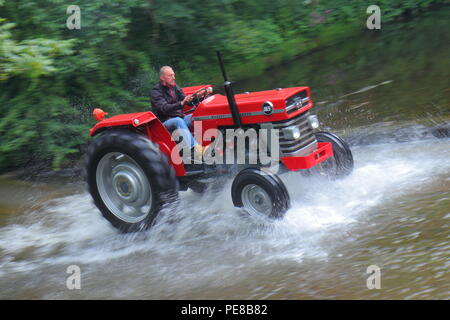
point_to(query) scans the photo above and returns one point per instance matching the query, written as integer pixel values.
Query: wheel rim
(124, 187)
(256, 200)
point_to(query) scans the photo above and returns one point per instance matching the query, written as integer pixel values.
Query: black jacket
(164, 105)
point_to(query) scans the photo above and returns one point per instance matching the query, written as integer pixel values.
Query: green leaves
(29, 58)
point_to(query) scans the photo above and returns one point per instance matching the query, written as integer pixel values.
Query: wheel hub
(256, 199)
(129, 184)
(124, 187)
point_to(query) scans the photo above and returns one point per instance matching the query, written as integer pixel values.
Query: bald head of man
(167, 76)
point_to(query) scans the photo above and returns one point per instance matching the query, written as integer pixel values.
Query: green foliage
(52, 77)
(29, 58)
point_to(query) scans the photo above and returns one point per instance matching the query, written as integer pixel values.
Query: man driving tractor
(167, 100)
(132, 175)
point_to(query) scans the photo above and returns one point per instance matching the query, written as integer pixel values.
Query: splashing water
(203, 243)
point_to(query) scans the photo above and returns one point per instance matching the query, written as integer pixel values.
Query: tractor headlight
(291, 132)
(313, 121)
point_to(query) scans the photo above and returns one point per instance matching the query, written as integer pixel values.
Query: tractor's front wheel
(341, 163)
(260, 193)
(129, 179)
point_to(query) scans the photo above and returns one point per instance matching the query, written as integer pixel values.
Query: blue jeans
(182, 125)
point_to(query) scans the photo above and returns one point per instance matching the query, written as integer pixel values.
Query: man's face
(168, 77)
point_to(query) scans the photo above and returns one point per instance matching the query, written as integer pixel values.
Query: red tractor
(135, 168)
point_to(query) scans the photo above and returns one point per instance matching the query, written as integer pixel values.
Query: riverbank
(299, 45)
(289, 50)
(44, 172)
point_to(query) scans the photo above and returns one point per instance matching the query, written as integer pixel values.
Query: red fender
(154, 130)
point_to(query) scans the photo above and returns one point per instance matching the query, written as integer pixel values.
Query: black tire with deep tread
(270, 182)
(147, 155)
(342, 154)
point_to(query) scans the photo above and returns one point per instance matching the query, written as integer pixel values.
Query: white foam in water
(71, 230)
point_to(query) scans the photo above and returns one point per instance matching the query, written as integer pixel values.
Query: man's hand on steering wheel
(200, 94)
(197, 97)
(187, 99)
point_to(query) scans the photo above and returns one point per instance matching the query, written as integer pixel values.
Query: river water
(382, 91)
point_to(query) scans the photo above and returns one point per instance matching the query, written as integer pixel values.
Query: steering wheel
(196, 100)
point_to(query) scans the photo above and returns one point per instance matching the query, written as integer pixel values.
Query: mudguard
(130, 119)
(154, 130)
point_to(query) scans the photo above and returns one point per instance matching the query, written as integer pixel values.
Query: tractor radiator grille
(294, 103)
(296, 147)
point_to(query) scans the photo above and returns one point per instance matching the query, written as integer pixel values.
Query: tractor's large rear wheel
(129, 179)
(341, 163)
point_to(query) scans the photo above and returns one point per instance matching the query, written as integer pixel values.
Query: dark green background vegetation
(52, 77)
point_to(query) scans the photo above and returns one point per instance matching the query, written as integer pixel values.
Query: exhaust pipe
(230, 95)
